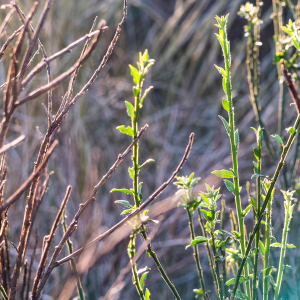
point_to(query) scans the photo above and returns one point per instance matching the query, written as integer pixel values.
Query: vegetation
(251, 260)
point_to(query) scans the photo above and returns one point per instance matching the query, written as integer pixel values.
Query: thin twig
(82, 207)
(35, 174)
(24, 280)
(46, 61)
(291, 86)
(296, 98)
(30, 266)
(34, 40)
(48, 240)
(55, 82)
(6, 21)
(135, 212)
(12, 144)
(119, 225)
(8, 41)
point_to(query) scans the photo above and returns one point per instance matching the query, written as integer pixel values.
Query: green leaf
(226, 104)
(145, 55)
(122, 191)
(140, 187)
(225, 124)
(125, 130)
(147, 161)
(253, 203)
(124, 202)
(143, 278)
(261, 247)
(135, 74)
(247, 209)
(224, 85)
(131, 172)
(229, 186)
(290, 246)
(221, 71)
(205, 213)
(144, 96)
(236, 139)
(276, 245)
(278, 139)
(211, 215)
(126, 211)
(250, 263)
(130, 109)
(147, 295)
(291, 130)
(199, 292)
(286, 30)
(223, 173)
(198, 240)
(241, 295)
(256, 153)
(230, 281)
(268, 270)
(136, 91)
(255, 131)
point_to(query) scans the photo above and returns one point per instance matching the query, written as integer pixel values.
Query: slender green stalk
(288, 207)
(72, 261)
(196, 252)
(285, 151)
(138, 76)
(252, 31)
(159, 266)
(292, 9)
(223, 250)
(258, 204)
(267, 250)
(233, 141)
(135, 276)
(210, 257)
(295, 162)
(3, 293)
(216, 267)
(277, 22)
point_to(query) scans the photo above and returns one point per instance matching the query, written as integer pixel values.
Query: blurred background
(187, 97)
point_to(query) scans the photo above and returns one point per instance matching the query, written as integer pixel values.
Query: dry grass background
(186, 97)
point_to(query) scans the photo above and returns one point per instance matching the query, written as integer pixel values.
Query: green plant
(190, 203)
(288, 209)
(233, 187)
(138, 223)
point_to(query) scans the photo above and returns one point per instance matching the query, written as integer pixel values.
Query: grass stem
(196, 253)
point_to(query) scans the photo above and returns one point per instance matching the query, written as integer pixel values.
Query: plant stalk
(196, 253)
(235, 164)
(216, 267)
(72, 261)
(135, 276)
(223, 251)
(158, 265)
(258, 204)
(210, 257)
(285, 151)
(267, 250)
(288, 215)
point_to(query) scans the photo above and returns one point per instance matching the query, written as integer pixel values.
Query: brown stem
(48, 240)
(26, 225)
(33, 176)
(24, 280)
(73, 225)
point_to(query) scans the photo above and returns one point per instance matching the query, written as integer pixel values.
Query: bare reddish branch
(8, 41)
